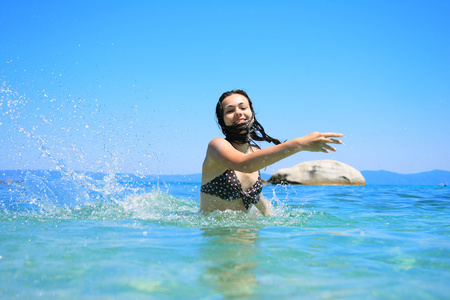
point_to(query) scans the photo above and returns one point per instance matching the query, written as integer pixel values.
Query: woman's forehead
(234, 100)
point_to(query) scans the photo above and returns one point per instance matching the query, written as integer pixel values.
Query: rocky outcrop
(319, 172)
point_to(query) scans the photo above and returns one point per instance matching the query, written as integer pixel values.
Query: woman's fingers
(335, 141)
(328, 136)
(332, 134)
(328, 139)
(318, 142)
(327, 147)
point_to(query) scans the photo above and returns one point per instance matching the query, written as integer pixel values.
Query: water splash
(45, 126)
(104, 197)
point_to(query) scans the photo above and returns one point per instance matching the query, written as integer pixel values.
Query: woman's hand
(318, 142)
(264, 206)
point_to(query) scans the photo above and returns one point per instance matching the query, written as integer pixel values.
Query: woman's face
(236, 110)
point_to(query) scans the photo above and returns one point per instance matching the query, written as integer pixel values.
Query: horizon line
(192, 174)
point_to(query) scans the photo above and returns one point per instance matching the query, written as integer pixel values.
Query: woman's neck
(242, 147)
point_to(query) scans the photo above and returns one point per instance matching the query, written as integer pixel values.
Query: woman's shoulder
(212, 167)
(218, 142)
(215, 146)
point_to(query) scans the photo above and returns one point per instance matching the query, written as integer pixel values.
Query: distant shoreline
(381, 177)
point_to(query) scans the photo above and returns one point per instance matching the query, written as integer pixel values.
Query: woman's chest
(247, 180)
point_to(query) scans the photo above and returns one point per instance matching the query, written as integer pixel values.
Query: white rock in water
(319, 172)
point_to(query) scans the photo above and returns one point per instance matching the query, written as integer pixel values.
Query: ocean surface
(111, 238)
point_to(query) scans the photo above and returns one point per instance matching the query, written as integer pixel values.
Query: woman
(230, 176)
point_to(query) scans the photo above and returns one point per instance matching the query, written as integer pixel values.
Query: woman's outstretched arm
(224, 153)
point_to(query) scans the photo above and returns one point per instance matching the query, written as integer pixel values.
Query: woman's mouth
(240, 121)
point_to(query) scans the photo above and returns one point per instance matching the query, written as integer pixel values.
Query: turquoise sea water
(78, 237)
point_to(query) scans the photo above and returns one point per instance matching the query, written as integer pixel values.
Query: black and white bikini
(228, 187)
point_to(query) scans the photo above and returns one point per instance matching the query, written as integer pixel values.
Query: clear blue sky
(131, 86)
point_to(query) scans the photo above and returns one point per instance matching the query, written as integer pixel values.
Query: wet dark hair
(242, 133)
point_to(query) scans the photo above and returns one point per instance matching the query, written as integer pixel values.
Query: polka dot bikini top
(228, 187)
